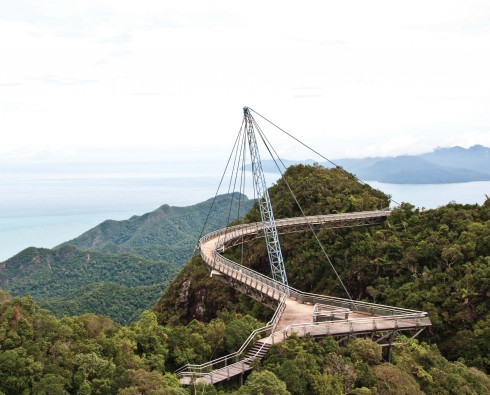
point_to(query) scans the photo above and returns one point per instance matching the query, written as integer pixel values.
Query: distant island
(442, 166)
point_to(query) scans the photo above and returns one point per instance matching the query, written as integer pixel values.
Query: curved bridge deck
(296, 311)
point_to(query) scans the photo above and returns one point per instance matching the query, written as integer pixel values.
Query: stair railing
(222, 362)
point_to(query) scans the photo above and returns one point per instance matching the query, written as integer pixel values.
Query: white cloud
(347, 78)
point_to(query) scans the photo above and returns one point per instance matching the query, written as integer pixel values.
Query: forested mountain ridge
(71, 281)
(475, 158)
(416, 170)
(169, 233)
(118, 268)
(40, 354)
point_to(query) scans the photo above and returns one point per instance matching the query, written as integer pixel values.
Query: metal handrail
(299, 220)
(304, 297)
(352, 323)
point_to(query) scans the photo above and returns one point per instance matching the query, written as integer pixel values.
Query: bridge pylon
(269, 224)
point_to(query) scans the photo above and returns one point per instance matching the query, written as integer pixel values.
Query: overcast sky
(168, 79)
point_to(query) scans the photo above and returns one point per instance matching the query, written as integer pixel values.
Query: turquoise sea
(44, 210)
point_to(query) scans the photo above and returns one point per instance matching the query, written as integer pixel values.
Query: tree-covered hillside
(71, 281)
(118, 268)
(168, 233)
(435, 260)
(40, 354)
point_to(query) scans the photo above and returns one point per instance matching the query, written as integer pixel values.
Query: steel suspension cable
(316, 152)
(240, 166)
(234, 176)
(221, 181)
(242, 189)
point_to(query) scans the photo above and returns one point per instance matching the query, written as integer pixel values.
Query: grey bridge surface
(296, 312)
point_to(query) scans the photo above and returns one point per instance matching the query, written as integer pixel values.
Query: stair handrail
(334, 323)
(195, 368)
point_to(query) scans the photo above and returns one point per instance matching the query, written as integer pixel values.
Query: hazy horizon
(133, 162)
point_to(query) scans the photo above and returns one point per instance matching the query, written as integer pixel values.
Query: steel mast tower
(268, 223)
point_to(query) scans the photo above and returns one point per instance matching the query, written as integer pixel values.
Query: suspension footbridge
(296, 312)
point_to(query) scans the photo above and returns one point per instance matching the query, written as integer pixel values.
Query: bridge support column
(387, 356)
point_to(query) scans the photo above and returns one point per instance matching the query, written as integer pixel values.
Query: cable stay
(316, 152)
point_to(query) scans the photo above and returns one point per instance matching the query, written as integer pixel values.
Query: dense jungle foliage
(432, 260)
(88, 354)
(70, 281)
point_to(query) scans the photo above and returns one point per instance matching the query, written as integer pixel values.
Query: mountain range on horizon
(441, 166)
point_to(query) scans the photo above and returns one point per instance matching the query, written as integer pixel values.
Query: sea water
(435, 195)
(48, 209)
(44, 211)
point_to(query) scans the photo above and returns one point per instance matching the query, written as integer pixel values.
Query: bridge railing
(256, 227)
(244, 274)
(222, 362)
(310, 298)
(350, 327)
